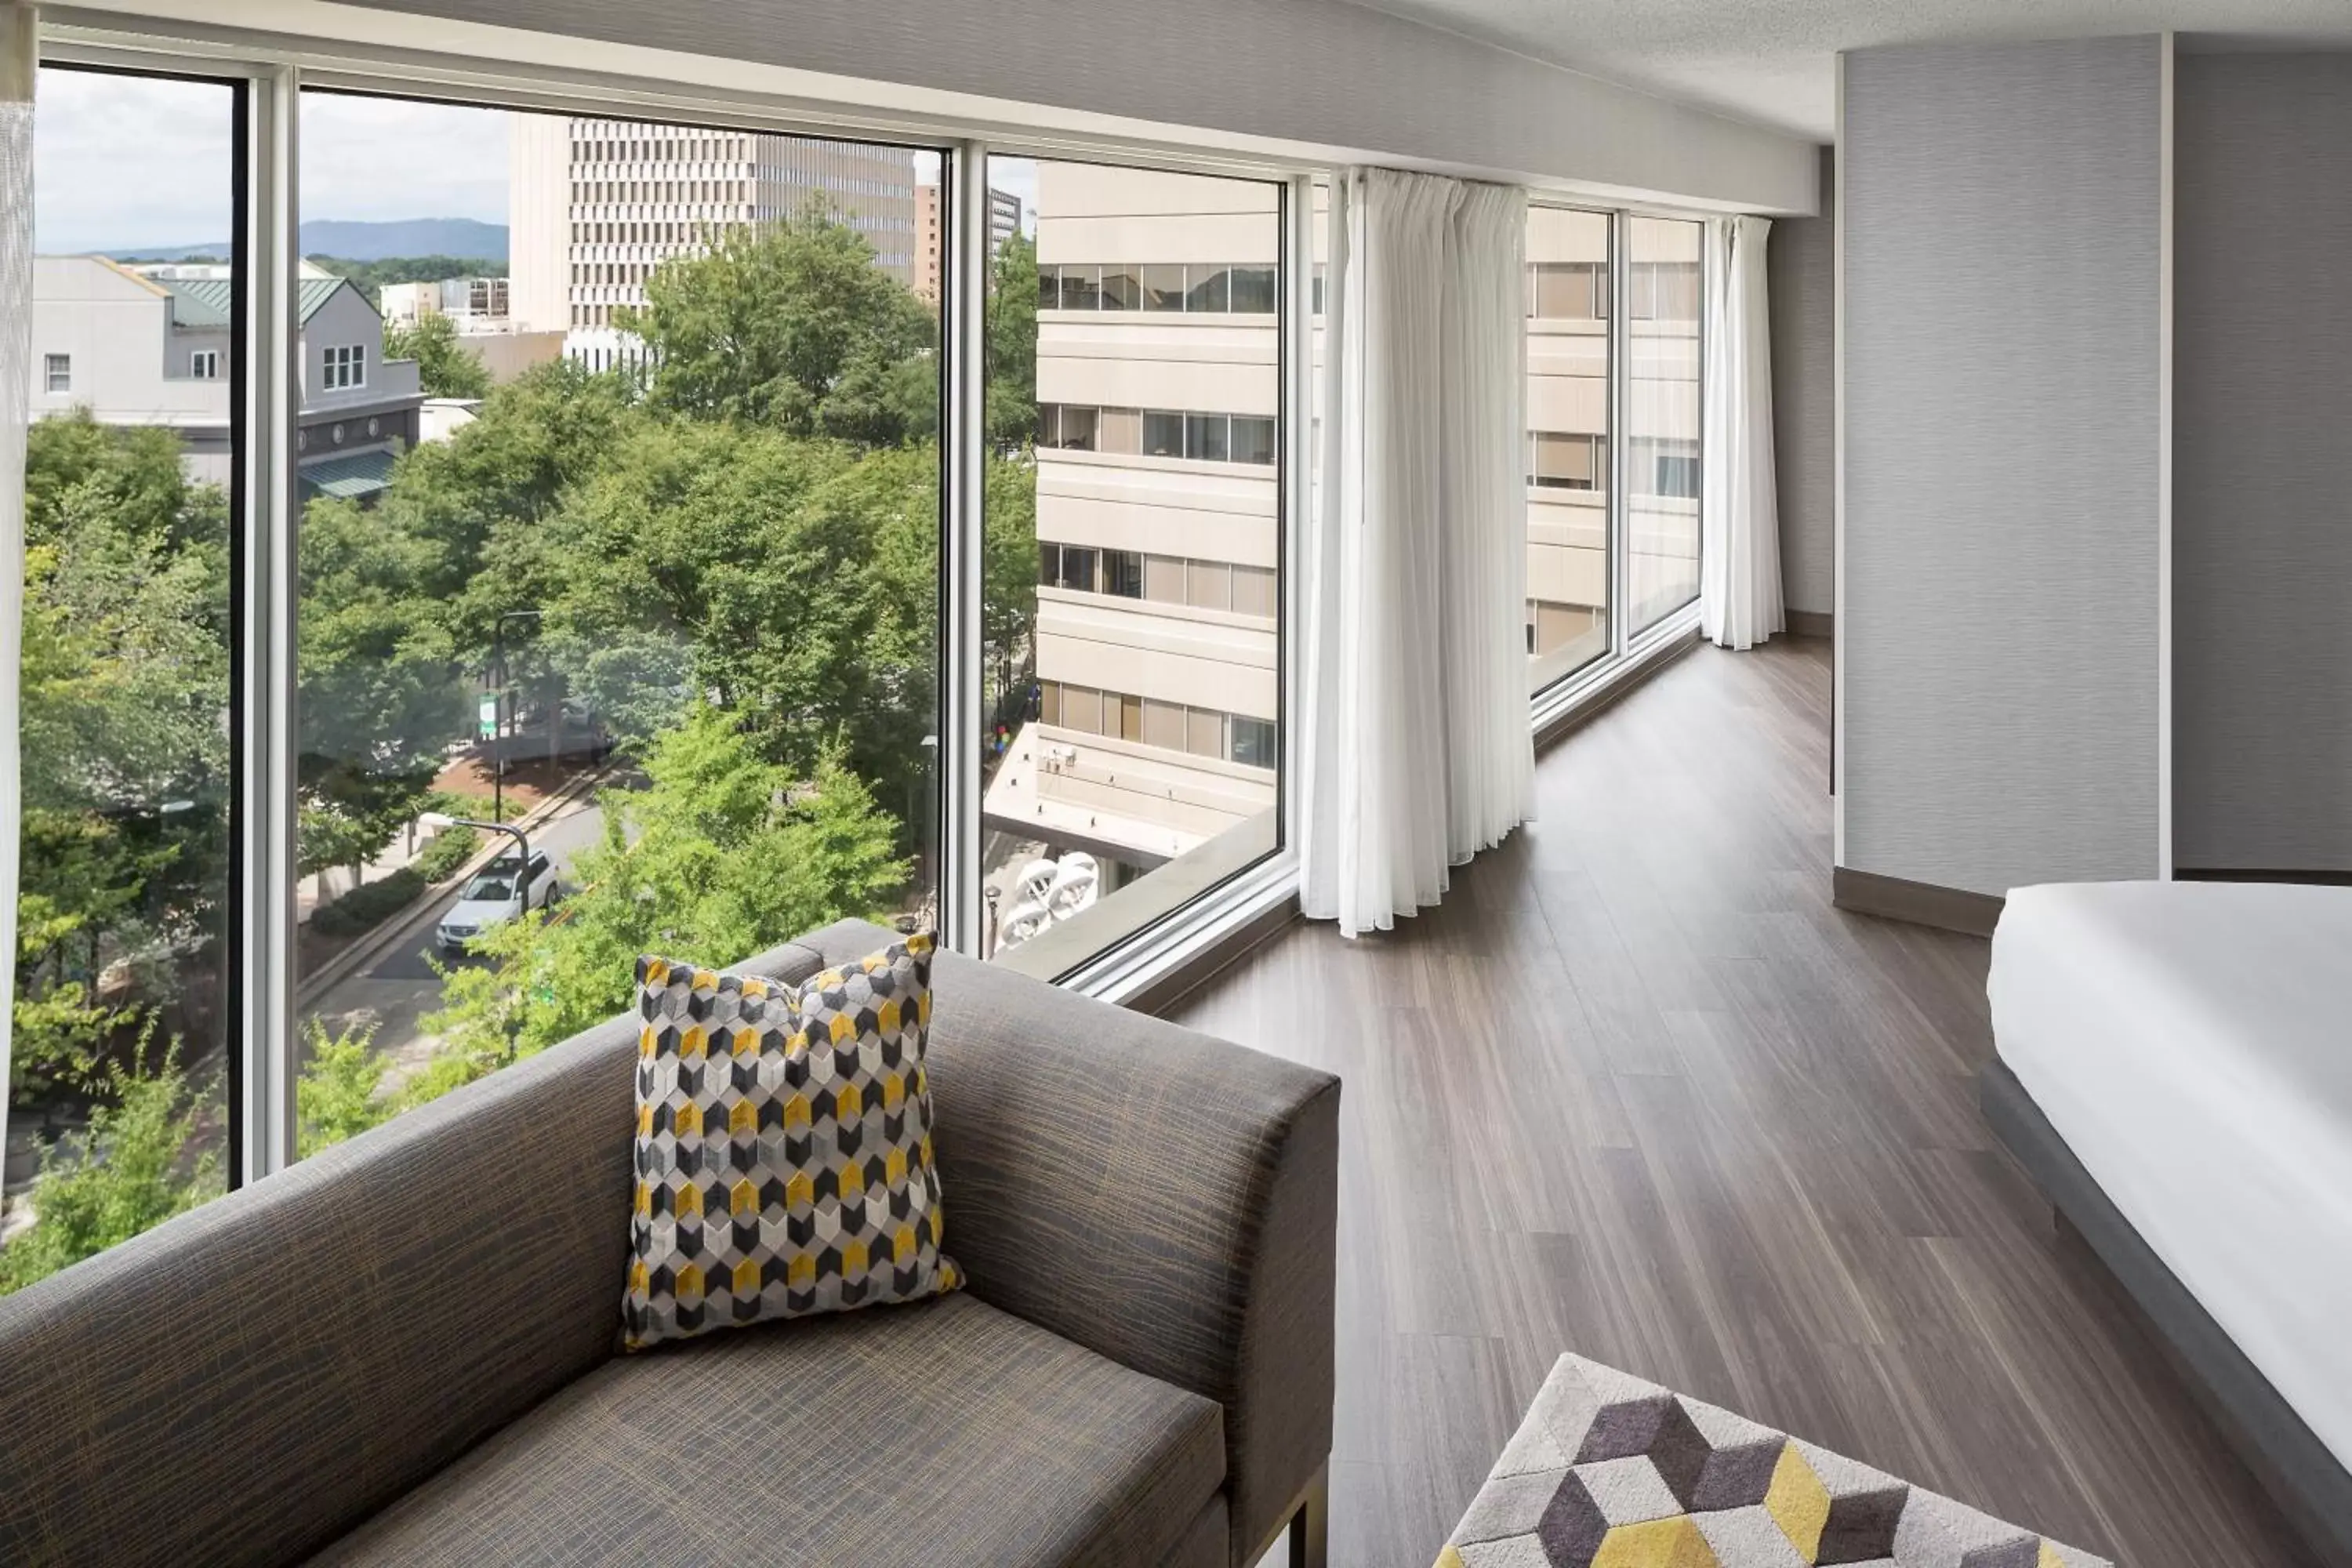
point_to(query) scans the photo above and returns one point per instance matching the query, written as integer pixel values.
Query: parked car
(495, 895)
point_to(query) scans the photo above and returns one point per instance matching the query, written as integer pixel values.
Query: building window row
(1157, 433)
(1169, 726)
(1157, 579)
(1157, 286)
(1567, 290)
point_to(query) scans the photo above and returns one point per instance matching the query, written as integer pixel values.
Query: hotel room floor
(1637, 1090)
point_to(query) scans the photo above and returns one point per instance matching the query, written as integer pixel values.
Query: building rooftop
(207, 302)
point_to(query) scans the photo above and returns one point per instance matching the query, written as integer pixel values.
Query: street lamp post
(498, 728)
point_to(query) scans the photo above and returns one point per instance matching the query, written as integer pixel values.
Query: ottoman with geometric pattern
(1609, 1471)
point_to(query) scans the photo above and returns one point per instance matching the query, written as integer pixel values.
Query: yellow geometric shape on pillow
(689, 1283)
(826, 981)
(852, 1179)
(656, 973)
(923, 1010)
(2050, 1557)
(800, 1192)
(646, 1119)
(886, 1018)
(706, 980)
(796, 1113)
(894, 1167)
(747, 1041)
(695, 1043)
(645, 1198)
(744, 1116)
(638, 1276)
(648, 1041)
(1798, 1502)
(926, 1147)
(894, 1091)
(1657, 1543)
(902, 1246)
(689, 1199)
(845, 1027)
(747, 1278)
(923, 1081)
(801, 1271)
(1449, 1558)
(852, 1259)
(742, 1198)
(849, 1104)
(688, 1120)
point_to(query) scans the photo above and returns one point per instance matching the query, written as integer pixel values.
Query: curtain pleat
(1417, 751)
(1739, 555)
(17, 69)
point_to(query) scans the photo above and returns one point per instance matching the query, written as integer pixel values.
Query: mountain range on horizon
(357, 241)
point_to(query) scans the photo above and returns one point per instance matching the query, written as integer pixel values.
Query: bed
(2175, 1068)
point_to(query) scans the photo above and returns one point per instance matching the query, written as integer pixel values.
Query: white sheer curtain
(1416, 752)
(1739, 554)
(17, 72)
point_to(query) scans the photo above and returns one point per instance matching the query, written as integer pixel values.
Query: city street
(396, 987)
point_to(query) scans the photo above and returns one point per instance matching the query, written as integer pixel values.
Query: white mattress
(2192, 1043)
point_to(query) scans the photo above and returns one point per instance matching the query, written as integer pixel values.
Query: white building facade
(595, 206)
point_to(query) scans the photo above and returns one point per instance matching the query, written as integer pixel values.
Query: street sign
(490, 717)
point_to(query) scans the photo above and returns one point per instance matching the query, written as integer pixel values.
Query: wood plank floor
(1636, 1089)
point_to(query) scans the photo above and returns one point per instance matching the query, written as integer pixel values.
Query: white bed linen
(2192, 1043)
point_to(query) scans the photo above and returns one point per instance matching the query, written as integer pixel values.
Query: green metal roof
(352, 478)
(317, 291)
(199, 301)
(204, 301)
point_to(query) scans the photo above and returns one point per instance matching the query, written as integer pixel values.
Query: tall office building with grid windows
(595, 206)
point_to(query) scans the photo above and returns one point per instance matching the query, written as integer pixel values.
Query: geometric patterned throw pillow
(783, 1145)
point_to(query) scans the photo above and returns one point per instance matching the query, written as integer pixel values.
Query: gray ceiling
(1772, 61)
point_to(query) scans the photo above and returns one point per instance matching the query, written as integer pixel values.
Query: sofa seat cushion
(946, 1431)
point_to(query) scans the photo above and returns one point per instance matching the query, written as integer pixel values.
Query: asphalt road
(398, 986)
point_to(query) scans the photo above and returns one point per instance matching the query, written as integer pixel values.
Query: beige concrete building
(1154, 735)
(595, 206)
(1155, 729)
(1004, 214)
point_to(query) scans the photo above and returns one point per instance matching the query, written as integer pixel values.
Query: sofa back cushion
(249, 1381)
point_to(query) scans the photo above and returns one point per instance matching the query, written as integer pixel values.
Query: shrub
(369, 904)
(127, 1173)
(340, 1093)
(450, 850)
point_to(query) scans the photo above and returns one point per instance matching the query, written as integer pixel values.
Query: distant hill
(460, 237)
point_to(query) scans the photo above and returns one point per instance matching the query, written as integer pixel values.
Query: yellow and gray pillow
(783, 1145)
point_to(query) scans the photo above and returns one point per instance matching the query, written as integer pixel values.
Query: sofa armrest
(1165, 1199)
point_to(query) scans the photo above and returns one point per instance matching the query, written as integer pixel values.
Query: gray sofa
(403, 1349)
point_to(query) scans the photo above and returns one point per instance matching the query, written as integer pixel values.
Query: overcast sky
(122, 163)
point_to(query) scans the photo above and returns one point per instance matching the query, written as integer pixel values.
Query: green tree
(340, 1093)
(792, 326)
(124, 688)
(1012, 353)
(445, 367)
(134, 1168)
(381, 692)
(721, 856)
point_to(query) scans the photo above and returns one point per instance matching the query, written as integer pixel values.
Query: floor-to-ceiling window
(1569, 298)
(1664, 287)
(620, 570)
(1133, 757)
(122, 1076)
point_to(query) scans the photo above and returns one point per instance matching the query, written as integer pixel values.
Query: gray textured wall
(2262, 463)
(1802, 261)
(2003, 230)
(1317, 72)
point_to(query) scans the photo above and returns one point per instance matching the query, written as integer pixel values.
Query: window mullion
(963, 714)
(266, 781)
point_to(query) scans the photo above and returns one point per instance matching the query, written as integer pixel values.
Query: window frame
(264, 367)
(56, 376)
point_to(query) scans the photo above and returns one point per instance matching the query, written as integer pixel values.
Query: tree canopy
(792, 326)
(445, 367)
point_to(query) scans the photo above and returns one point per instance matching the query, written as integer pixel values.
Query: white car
(494, 896)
